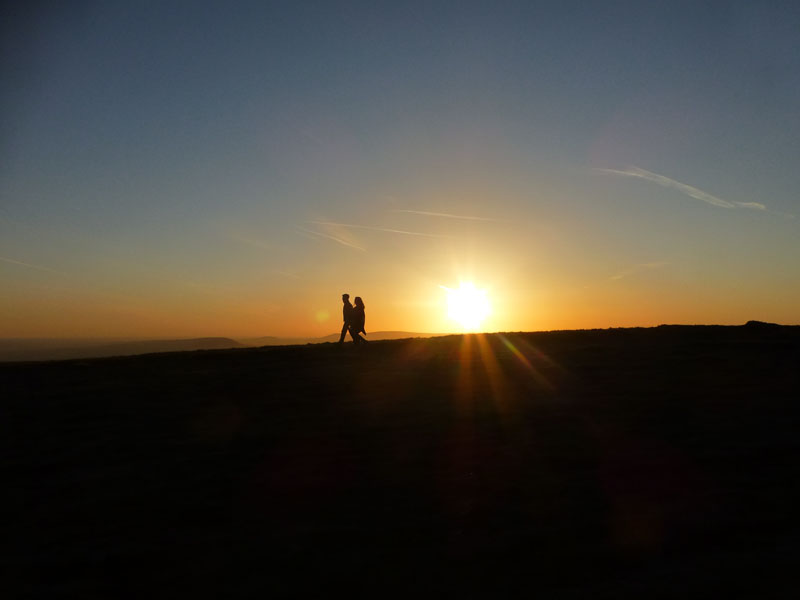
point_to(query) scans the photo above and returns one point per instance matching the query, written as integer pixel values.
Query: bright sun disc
(467, 305)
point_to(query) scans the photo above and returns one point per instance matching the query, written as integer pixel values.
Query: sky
(186, 169)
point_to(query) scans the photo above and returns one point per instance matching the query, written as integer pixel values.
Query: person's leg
(354, 334)
(345, 328)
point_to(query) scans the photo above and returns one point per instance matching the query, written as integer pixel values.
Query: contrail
(331, 237)
(447, 215)
(400, 231)
(684, 188)
(637, 269)
(24, 264)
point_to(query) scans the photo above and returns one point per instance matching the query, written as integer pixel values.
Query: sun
(467, 305)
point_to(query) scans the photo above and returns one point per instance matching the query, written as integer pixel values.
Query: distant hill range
(24, 349)
(60, 349)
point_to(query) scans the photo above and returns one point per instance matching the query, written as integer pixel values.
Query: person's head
(346, 298)
(359, 302)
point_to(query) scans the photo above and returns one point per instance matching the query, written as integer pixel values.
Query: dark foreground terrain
(641, 462)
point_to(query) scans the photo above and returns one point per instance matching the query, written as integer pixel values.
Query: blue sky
(217, 156)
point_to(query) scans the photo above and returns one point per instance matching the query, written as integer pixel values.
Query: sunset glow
(467, 306)
(195, 170)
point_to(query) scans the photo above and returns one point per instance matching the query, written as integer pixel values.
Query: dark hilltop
(657, 462)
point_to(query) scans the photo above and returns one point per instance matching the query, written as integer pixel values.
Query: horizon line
(429, 333)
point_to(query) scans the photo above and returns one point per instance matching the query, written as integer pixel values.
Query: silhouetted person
(347, 318)
(357, 323)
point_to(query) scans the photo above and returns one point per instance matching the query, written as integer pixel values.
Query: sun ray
(526, 363)
(465, 384)
(494, 373)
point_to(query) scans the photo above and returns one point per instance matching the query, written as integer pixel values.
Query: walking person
(358, 320)
(347, 318)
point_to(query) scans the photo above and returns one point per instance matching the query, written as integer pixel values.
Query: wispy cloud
(684, 188)
(287, 274)
(337, 239)
(252, 242)
(753, 205)
(28, 265)
(384, 229)
(638, 269)
(447, 215)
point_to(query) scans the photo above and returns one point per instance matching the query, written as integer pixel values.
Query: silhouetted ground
(641, 462)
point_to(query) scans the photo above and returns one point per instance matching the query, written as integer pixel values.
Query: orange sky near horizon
(406, 294)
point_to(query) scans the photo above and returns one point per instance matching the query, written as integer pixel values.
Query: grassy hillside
(648, 462)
